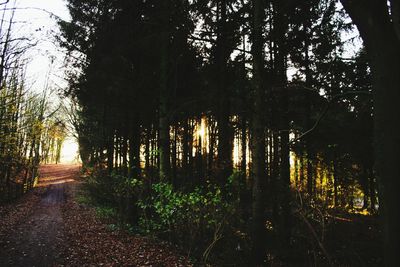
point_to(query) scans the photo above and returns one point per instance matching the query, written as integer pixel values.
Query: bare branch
(322, 115)
(195, 38)
(32, 8)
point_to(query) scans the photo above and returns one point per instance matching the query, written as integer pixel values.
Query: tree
(162, 97)
(258, 134)
(379, 25)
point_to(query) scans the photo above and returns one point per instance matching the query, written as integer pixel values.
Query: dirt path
(37, 239)
(49, 227)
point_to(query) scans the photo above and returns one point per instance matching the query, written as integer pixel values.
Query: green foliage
(106, 212)
(111, 188)
(83, 199)
(174, 207)
(124, 185)
(194, 219)
(112, 227)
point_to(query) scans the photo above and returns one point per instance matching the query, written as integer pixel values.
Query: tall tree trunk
(307, 104)
(379, 30)
(372, 189)
(131, 214)
(211, 146)
(243, 144)
(310, 178)
(164, 137)
(124, 154)
(225, 134)
(365, 186)
(174, 155)
(134, 150)
(335, 183)
(258, 136)
(280, 28)
(147, 150)
(185, 149)
(110, 153)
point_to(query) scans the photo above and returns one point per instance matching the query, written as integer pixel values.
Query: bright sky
(33, 19)
(41, 28)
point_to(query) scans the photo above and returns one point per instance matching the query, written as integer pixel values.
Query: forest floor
(49, 227)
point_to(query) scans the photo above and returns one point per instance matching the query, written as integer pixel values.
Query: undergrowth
(203, 221)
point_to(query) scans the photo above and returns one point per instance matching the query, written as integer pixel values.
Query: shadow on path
(37, 240)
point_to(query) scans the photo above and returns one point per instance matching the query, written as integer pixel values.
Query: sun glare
(69, 151)
(201, 132)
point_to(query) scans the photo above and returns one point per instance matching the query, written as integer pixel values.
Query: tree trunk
(185, 149)
(110, 153)
(258, 136)
(211, 148)
(174, 155)
(378, 30)
(372, 189)
(134, 150)
(164, 137)
(243, 141)
(335, 183)
(225, 135)
(307, 107)
(280, 28)
(147, 150)
(365, 187)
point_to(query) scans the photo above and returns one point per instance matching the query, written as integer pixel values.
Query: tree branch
(322, 115)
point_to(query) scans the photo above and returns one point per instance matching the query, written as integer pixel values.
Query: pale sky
(41, 28)
(33, 19)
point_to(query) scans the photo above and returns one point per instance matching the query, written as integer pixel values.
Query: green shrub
(111, 188)
(106, 212)
(195, 219)
(188, 218)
